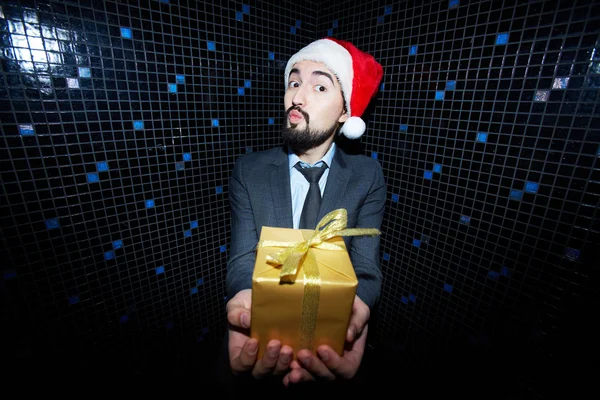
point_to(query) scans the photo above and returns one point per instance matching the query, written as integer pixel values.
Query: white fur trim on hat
(335, 57)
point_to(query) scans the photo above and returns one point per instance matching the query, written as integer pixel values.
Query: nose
(299, 98)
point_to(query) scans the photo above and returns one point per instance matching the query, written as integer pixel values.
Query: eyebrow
(317, 73)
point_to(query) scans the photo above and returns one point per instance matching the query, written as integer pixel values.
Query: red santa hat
(357, 72)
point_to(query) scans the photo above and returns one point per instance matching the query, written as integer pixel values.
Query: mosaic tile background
(121, 121)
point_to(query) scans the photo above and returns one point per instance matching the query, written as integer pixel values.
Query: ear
(343, 118)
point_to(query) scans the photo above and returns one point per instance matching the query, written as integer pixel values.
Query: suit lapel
(337, 181)
(280, 192)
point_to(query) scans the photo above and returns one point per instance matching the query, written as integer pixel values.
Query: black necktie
(308, 219)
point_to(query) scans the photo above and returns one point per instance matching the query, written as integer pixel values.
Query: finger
(247, 357)
(358, 319)
(239, 317)
(314, 365)
(347, 365)
(267, 363)
(286, 355)
(296, 376)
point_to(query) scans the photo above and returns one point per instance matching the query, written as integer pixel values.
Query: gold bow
(294, 254)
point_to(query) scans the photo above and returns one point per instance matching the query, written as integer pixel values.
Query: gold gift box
(277, 308)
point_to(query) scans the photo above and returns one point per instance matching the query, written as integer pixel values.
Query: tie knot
(311, 174)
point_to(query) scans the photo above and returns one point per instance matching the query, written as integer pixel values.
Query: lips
(295, 117)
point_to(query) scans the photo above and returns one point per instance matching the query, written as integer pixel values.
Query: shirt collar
(293, 159)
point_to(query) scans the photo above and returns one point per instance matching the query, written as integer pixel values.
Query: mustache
(301, 111)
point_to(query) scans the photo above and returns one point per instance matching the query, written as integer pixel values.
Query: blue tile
(247, 83)
(560, 83)
(516, 194)
(187, 157)
(374, 155)
(451, 85)
(271, 55)
(380, 19)
(223, 248)
(248, 149)
(52, 223)
(412, 298)
(428, 174)
(447, 287)
(329, 32)
(416, 243)
(293, 29)
(211, 46)
(126, 33)
(531, 187)
(404, 299)
(219, 189)
(10, 274)
(502, 38)
(481, 137)
(387, 10)
(437, 168)
(164, 1)
(200, 281)
(215, 122)
(26, 130)
(124, 319)
(453, 3)
(386, 256)
(179, 166)
(193, 224)
(245, 9)
(413, 50)
(102, 166)
(84, 72)
(194, 290)
(160, 270)
(403, 128)
(117, 244)
(465, 219)
(493, 274)
(572, 254)
(504, 271)
(93, 177)
(439, 95)
(298, 23)
(187, 233)
(109, 255)
(149, 203)
(73, 299)
(382, 87)
(395, 198)
(172, 87)
(239, 16)
(138, 125)
(241, 91)
(271, 121)
(334, 24)
(180, 79)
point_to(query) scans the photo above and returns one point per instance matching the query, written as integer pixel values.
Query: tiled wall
(488, 130)
(121, 123)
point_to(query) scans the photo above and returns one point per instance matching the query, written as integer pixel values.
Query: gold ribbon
(295, 254)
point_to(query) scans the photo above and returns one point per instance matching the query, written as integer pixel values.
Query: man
(329, 84)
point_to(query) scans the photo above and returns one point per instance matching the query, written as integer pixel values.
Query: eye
(320, 88)
(293, 84)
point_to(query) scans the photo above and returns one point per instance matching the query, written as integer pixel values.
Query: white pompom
(353, 128)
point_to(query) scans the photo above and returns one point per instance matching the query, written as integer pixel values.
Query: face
(314, 106)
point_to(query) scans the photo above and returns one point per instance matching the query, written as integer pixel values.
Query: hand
(243, 349)
(329, 365)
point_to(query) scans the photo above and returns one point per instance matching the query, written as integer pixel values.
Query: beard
(302, 140)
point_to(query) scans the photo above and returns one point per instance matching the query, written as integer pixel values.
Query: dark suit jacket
(259, 195)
